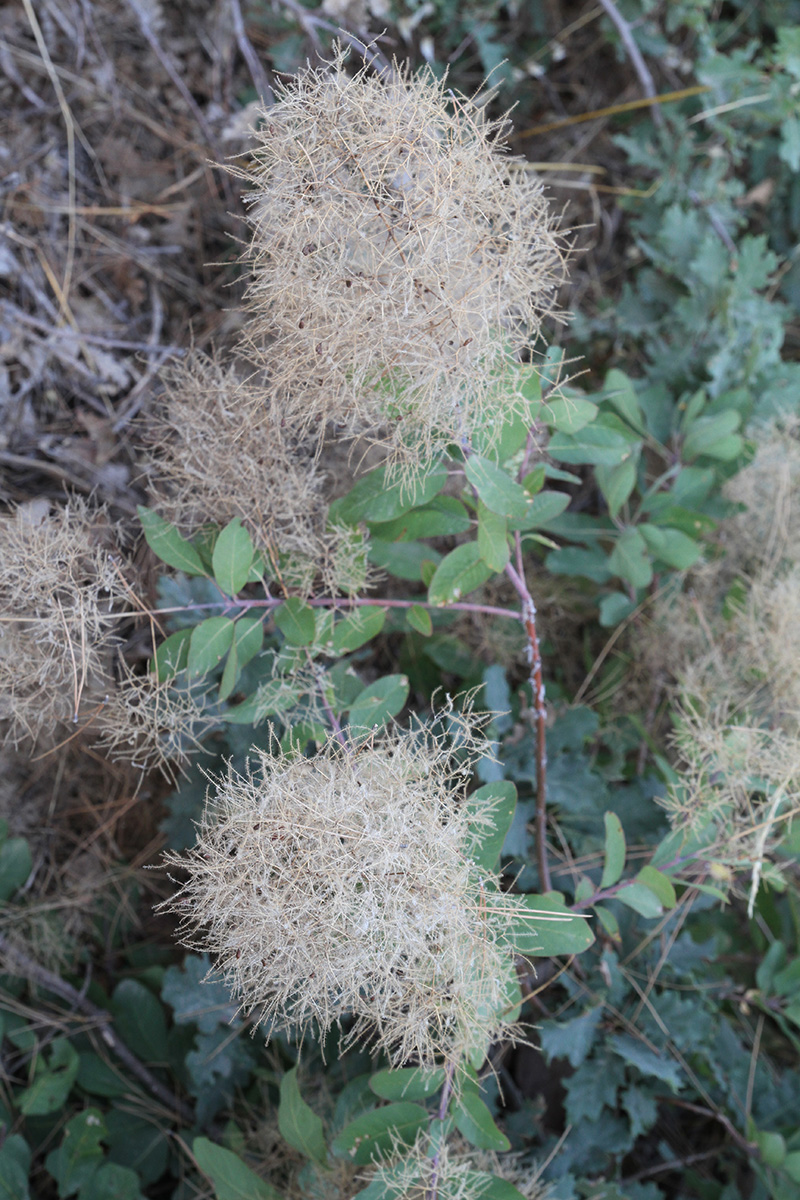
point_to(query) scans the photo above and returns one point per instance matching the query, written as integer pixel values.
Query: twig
(257, 72)
(311, 23)
(444, 1101)
(528, 618)
(634, 53)
(59, 987)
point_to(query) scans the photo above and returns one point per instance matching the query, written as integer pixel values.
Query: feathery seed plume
(342, 884)
(401, 259)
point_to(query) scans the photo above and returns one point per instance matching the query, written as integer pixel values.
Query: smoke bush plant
(343, 873)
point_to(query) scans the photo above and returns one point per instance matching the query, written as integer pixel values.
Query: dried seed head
(226, 449)
(342, 885)
(152, 724)
(401, 260)
(59, 586)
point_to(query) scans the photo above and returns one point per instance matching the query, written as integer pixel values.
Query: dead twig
(635, 55)
(257, 72)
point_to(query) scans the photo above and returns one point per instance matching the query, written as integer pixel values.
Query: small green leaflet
(495, 487)
(407, 1083)
(614, 850)
(630, 559)
(165, 541)
(377, 1133)
(296, 621)
(172, 655)
(458, 574)
(357, 628)
(232, 558)
(492, 538)
(374, 500)
(378, 703)
(420, 619)
(232, 1179)
(546, 928)
(210, 641)
(298, 1123)
(474, 1122)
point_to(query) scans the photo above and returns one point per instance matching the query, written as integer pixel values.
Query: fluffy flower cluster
(737, 638)
(59, 584)
(342, 885)
(224, 449)
(401, 260)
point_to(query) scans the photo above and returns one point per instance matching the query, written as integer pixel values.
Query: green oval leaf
(614, 850)
(298, 1123)
(165, 541)
(474, 1122)
(630, 559)
(248, 638)
(545, 928)
(377, 1132)
(495, 487)
(673, 547)
(378, 703)
(296, 621)
(140, 1020)
(458, 574)
(407, 1083)
(542, 507)
(357, 628)
(49, 1090)
(659, 884)
(498, 800)
(595, 444)
(641, 899)
(445, 516)
(232, 1179)
(616, 484)
(232, 558)
(172, 655)
(568, 414)
(210, 641)
(372, 499)
(420, 619)
(492, 538)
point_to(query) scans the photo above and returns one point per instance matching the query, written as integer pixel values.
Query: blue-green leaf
(495, 487)
(630, 559)
(373, 500)
(545, 928)
(172, 655)
(492, 538)
(210, 641)
(232, 1179)
(474, 1122)
(407, 1083)
(376, 1133)
(615, 850)
(232, 558)
(298, 1123)
(458, 574)
(378, 703)
(357, 628)
(296, 621)
(165, 541)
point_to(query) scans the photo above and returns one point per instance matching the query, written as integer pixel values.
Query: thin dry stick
(53, 983)
(634, 53)
(257, 72)
(311, 23)
(444, 1101)
(528, 617)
